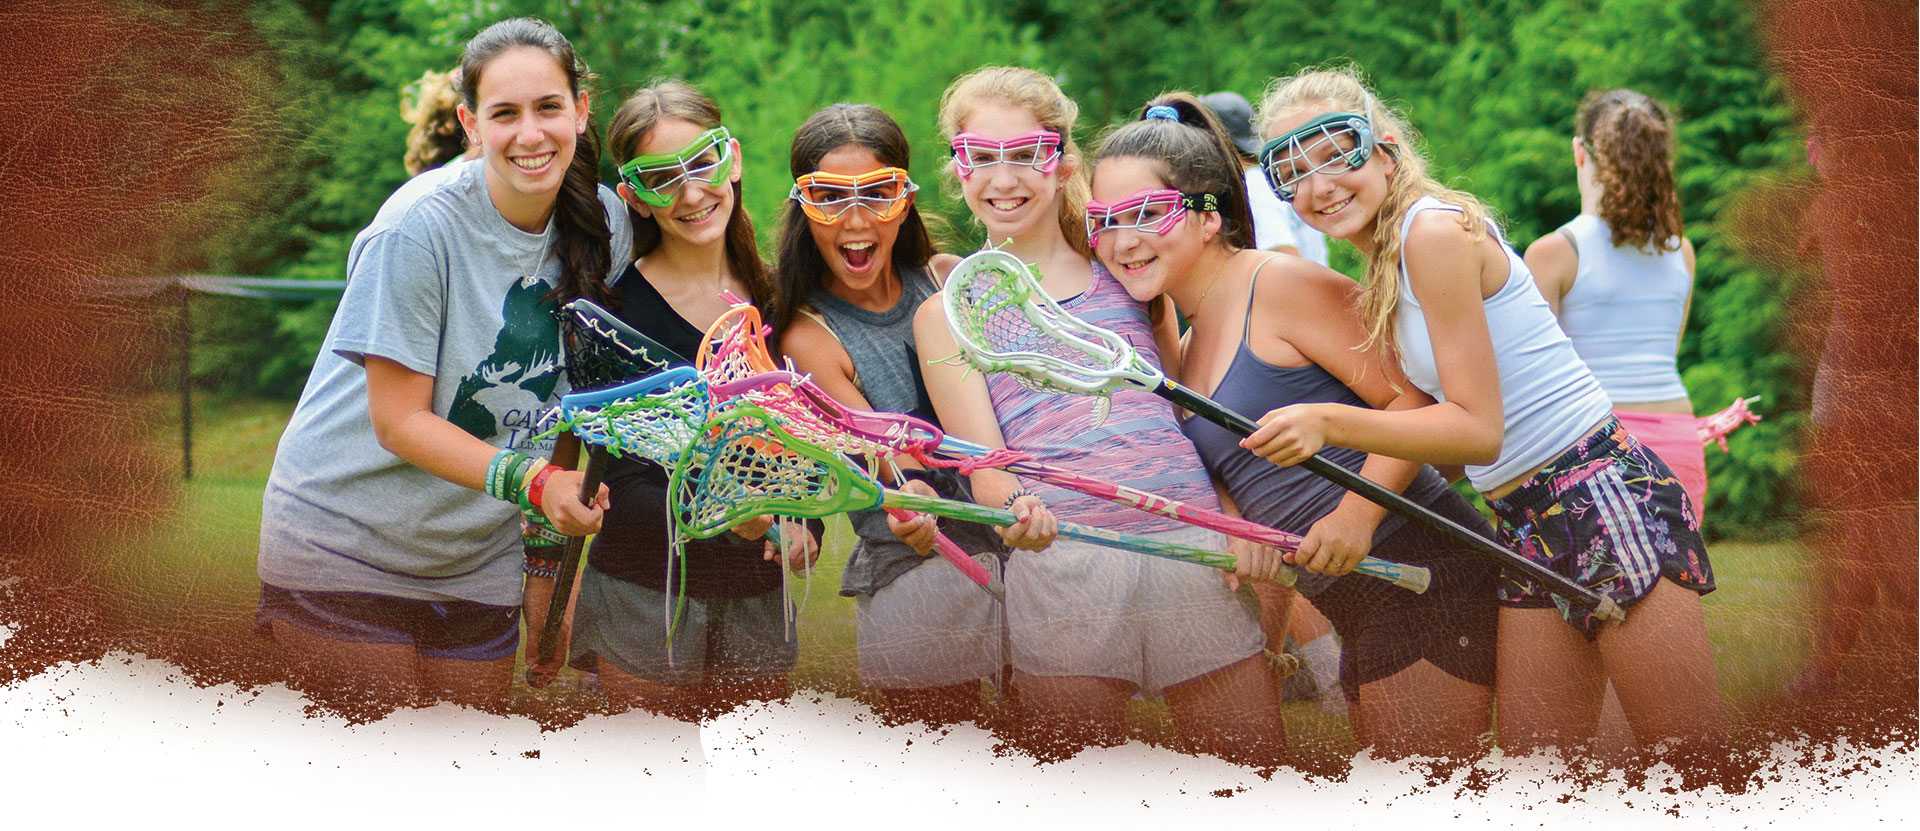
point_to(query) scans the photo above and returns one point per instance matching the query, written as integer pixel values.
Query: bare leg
(1422, 710)
(1066, 714)
(1662, 667)
(481, 685)
(1277, 607)
(1232, 713)
(1548, 681)
(379, 677)
(625, 691)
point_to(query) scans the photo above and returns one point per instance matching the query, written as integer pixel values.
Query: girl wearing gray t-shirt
(390, 539)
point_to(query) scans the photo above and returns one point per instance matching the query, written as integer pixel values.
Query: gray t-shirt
(443, 285)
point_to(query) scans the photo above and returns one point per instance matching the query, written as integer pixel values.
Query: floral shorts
(1609, 514)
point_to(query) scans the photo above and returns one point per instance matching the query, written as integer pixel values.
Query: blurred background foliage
(1491, 85)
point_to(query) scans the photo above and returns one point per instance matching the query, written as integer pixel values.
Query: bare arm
(816, 352)
(400, 405)
(1451, 276)
(1686, 311)
(959, 395)
(1554, 263)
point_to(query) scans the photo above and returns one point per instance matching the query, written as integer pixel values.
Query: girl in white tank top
(1620, 275)
(1516, 406)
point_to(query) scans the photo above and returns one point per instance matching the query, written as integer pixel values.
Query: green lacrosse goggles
(657, 179)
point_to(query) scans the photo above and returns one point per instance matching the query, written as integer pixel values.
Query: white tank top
(1625, 312)
(1550, 398)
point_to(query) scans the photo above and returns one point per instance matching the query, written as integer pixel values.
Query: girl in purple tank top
(1090, 626)
(1271, 329)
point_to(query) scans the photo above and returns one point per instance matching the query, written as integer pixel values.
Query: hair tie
(1161, 111)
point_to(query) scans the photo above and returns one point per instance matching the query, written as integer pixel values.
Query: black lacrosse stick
(602, 351)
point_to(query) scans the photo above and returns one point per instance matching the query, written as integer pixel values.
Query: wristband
(539, 481)
(496, 474)
(1015, 496)
(517, 476)
(537, 566)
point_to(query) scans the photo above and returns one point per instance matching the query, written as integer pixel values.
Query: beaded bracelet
(1015, 496)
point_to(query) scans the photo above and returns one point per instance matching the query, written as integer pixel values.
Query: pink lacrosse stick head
(1038, 149)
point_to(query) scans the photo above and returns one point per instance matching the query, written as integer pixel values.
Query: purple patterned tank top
(1139, 444)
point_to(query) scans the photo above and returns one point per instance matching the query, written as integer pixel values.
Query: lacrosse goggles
(1157, 210)
(827, 197)
(657, 179)
(1039, 149)
(1331, 143)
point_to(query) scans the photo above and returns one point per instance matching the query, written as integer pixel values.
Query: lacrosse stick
(811, 414)
(1004, 322)
(746, 464)
(600, 350)
(658, 417)
(1714, 428)
(735, 348)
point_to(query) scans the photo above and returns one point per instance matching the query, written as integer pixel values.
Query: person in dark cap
(1275, 226)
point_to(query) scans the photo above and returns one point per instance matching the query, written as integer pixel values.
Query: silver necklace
(531, 276)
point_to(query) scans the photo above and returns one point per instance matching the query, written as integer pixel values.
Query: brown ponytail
(1630, 139)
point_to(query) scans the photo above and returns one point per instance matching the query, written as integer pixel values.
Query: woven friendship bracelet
(536, 566)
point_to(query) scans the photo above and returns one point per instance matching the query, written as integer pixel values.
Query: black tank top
(1288, 498)
(632, 544)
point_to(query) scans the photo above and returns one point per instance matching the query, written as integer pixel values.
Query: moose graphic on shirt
(508, 389)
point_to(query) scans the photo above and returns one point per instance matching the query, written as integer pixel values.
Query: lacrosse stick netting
(996, 310)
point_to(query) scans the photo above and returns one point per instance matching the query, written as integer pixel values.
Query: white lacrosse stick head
(1004, 322)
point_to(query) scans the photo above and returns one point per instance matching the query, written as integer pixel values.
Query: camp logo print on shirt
(508, 390)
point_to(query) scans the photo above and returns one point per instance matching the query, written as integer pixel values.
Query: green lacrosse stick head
(657, 179)
(746, 465)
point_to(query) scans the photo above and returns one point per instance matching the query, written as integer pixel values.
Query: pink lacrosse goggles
(1039, 150)
(1157, 210)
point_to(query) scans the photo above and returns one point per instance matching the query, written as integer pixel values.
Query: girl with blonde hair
(1570, 488)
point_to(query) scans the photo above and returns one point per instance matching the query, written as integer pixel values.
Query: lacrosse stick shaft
(1117, 539)
(1410, 577)
(1603, 606)
(562, 601)
(953, 553)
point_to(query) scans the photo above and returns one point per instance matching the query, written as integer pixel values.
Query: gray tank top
(886, 368)
(1288, 498)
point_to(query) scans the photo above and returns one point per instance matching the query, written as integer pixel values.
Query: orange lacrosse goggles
(827, 197)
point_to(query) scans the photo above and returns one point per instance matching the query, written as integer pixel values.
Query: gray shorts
(930, 627)
(1079, 608)
(719, 639)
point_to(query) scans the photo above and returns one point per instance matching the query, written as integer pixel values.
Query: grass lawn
(197, 578)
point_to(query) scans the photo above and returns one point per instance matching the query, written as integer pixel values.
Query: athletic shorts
(1385, 629)
(931, 627)
(1608, 514)
(458, 629)
(717, 640)
(1676, 440)
(1082, 609)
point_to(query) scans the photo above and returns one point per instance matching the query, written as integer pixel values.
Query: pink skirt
(1674, 438)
